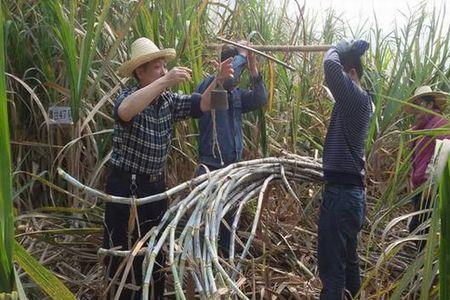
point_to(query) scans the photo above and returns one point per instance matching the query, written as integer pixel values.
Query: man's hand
(177, 75)
(251, 59)
(225, 70)
(243, 51)
(252, 65)
(360, 47)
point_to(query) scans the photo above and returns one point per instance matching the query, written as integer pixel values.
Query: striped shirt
(343, 155)
(141, 145)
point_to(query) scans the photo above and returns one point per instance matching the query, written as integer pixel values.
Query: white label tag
(60, 115)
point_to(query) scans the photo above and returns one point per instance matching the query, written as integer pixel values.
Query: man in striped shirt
(343, 206)
(145, 114)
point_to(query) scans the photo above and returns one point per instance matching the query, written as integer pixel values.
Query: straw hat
(440, 98)
(144, 50)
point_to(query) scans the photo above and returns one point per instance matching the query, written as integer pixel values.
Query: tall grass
(67, 52)
(6, 208)
(78, 62)
(9, 248)
(444, 258)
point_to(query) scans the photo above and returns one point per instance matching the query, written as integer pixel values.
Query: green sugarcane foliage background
(444, 258)
(66, 53)
(6, 210)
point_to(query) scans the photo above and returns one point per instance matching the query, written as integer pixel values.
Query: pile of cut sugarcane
(190, 227)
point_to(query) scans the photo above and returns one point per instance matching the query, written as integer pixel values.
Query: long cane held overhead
(219, 102)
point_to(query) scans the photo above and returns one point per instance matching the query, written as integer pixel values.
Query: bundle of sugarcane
(193, 248)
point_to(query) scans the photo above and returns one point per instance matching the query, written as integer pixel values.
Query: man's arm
(201, 88)
(339, 83)
(257, 96)
(344, 90)
(140, 99)
(196, 104)
(225, 72)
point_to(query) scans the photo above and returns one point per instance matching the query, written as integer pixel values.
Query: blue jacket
(229, 122)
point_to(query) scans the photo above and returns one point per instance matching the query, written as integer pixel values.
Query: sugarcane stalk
(134, 252)
(183, 257)
(183, 208)
(176, 279)
(310, 166)
(255, 222)
(281, 48)
(288, 186)
(119, 253)
(224, 273)
(210, 197)
(259, 53)
(236, 221)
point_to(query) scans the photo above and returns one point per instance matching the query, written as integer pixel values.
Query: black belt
(140, 177)
(151, 178)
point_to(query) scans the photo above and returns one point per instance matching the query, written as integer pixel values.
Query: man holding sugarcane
(228, 123)
(343, 206)
(145, 114)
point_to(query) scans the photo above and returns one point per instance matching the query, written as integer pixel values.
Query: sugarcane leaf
(48, 282)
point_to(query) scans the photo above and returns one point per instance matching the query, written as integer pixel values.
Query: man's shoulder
(438, 121)
(127, 90)
(366, 94)
(360, 93)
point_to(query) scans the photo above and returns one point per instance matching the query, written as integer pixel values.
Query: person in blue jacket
(228, 123)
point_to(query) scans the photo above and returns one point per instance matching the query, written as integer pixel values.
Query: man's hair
(352, 61)
(227, 52)
(428, 100)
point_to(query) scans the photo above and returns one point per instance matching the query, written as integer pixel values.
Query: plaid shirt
(141, 145)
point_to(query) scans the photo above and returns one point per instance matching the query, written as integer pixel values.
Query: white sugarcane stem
(210, 197)
(255, 221)
(282, 48)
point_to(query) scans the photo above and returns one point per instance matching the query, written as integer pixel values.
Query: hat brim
(127, 68)
(440, 99)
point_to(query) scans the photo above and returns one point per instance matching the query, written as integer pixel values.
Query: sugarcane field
(228, 149)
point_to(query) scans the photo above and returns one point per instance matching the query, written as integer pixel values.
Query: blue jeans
(341, 218)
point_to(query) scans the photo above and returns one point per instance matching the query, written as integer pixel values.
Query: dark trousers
(116, 227)
(420, 204)
(341, 218)
(224, 232)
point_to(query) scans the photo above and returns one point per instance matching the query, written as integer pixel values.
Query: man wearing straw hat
(429, 105)
(228, 123)
(145, 113)
(343, 205)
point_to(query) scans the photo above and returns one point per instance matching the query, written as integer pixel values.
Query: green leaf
(19, 287)
(6, 210)
(49, 283)
(444, 259)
